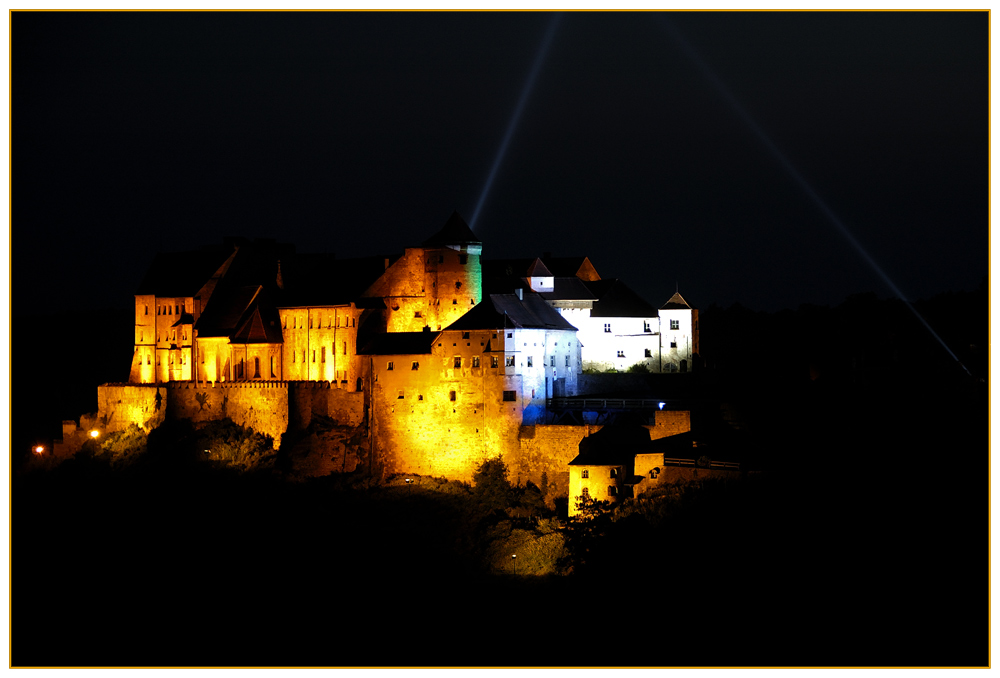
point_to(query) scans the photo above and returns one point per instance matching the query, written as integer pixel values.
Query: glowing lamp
(39, 449)
(661, 405)
(95, 433)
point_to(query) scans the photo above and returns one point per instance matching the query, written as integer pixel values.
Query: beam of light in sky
(525, 93)
(748, 120)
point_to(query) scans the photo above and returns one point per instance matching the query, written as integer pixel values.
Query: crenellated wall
(258, 405)
(119, 405)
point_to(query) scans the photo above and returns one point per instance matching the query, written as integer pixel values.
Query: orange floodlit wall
(321, 344)
(430, 287)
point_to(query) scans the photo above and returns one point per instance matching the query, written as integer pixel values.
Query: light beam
(797, 177)
(539, 59)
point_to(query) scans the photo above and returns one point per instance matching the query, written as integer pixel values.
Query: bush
(491, 486)
(123, 447)
(638, 368)
(233, 445)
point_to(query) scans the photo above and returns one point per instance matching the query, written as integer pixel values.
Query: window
(345, 348)
(621, 354)
(494, 361)
(614, 473)
(416, 314)
(458, 285)
(400, 396)
(388, 366)
(612, 491)
(458, 364)
(440, 258)
(322, 354)
(529, 361)
(314, 355)
(673, 344)
(465, 335)
(510, 396)
(420, 397)
(552, 361)
(675, 324)
(586, 492)
(645, 326)
(567, 361)
(256, 367)
(607, 327)
(653, 473)
(585, 474)
(463, 258)
(310, 322)
(451, 396)
(510, 335)
(303, 355)
(454, 302)
(147, 311)
(510, 361)
(649, 353)
(414, 366)
(475, 361)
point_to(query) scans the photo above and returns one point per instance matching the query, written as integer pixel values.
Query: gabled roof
(613, 446)
(538, 270)
(253, 328)
(616, 300)
(455, 232)
(400, 343)
(507, 310)
(225, 311)
(182, 274)
(676, 301)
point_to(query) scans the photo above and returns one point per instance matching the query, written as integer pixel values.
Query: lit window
(607, 327)
(458, 363)
(494, 361)
(585, 474)
(415, 365)
(451, 396)
(388, 366)
(475, 361)
(649, 353)
(510, 361)
(510, 396)
(529, 361)
(675, 324)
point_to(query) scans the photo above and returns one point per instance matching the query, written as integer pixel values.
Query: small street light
(94, 433)
(38, 449)
(514, 559)
(409, 483)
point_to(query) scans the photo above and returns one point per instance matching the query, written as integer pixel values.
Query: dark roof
(455, 232)
(567, 289)
(185, 319)
(259, 325)
(616, 300)
(506, 310)
(324, 280)
(676, 301)
(182, 274)
(400, 343)
(538, 270)
(613, 446)
(225, 310)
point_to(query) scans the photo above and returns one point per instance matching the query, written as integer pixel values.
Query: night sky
(360, 133)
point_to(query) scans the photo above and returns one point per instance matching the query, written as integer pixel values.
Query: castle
(435, 359)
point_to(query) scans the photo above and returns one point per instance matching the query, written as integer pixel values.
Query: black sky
(359, 133)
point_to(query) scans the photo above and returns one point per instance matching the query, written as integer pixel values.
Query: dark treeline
(863, 540)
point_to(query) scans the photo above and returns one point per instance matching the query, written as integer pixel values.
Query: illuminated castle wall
(435, 373)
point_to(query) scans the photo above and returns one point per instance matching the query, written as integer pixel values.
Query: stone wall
(307, 399)
(119, 405)
(258, 405)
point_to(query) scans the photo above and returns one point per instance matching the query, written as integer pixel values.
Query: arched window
(256, 367)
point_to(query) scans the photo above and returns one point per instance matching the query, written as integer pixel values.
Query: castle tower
(453, 277)
(678, 335)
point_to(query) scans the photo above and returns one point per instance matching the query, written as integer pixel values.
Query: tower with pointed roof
(678, 335)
